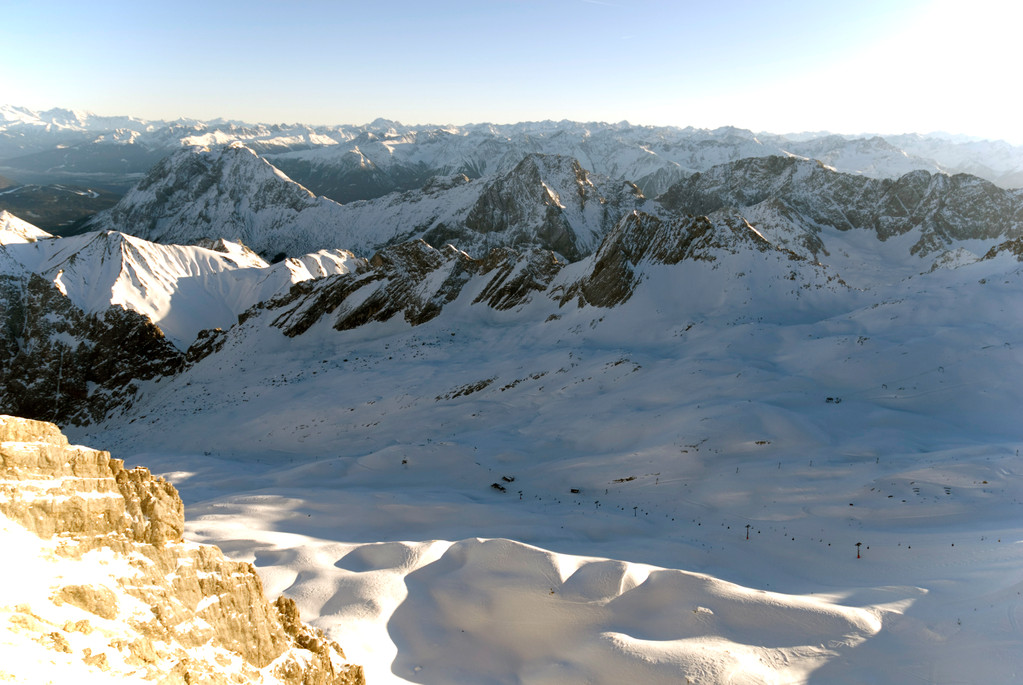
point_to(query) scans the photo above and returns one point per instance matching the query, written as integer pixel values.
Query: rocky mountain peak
(202, 193)
(552, 202)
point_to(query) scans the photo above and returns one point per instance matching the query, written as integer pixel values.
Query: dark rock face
(513, 278)
(207, 614)
(64, 365)
(207, 342)
(542, 202)
(521, 198)
(645, 239)
(392, 285)
(811, 196)
(1013, 247)
(416, 281)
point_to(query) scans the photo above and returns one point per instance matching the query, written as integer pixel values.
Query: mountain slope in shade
(62, 363)
(554, 202)
(414, 282)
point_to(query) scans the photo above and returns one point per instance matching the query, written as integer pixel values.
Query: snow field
(358, 477)
(729, 478)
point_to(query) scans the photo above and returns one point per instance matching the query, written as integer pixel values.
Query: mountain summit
(202, 193)
(551, 200)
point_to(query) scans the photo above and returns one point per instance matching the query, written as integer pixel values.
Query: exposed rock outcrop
(645, 239)
(552, 202)
(416, 281)
(799, 196)
(1013, 247)
(59, 363)
(154, 606)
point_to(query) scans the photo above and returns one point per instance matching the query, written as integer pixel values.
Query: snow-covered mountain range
(552, 203)
(201, 193)
(348, 163)
(530, 424)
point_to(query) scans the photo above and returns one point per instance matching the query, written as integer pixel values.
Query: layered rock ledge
(99, 581)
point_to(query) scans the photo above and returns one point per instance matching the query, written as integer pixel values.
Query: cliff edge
(99, 584)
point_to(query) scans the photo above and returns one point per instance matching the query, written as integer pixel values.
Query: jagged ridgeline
(199, 193)
(87, 321)
(796, 200)
(549, 202)
(108, 585)
(360, 162)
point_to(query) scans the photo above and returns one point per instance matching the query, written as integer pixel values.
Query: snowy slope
(15, 230)
(679, 417)
(182, 289)
(560, 491)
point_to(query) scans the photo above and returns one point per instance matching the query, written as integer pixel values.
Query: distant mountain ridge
(348, 163)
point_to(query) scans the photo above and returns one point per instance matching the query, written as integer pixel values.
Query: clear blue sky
(878, 66)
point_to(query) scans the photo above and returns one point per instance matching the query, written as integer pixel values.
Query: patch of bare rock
(123, 595)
